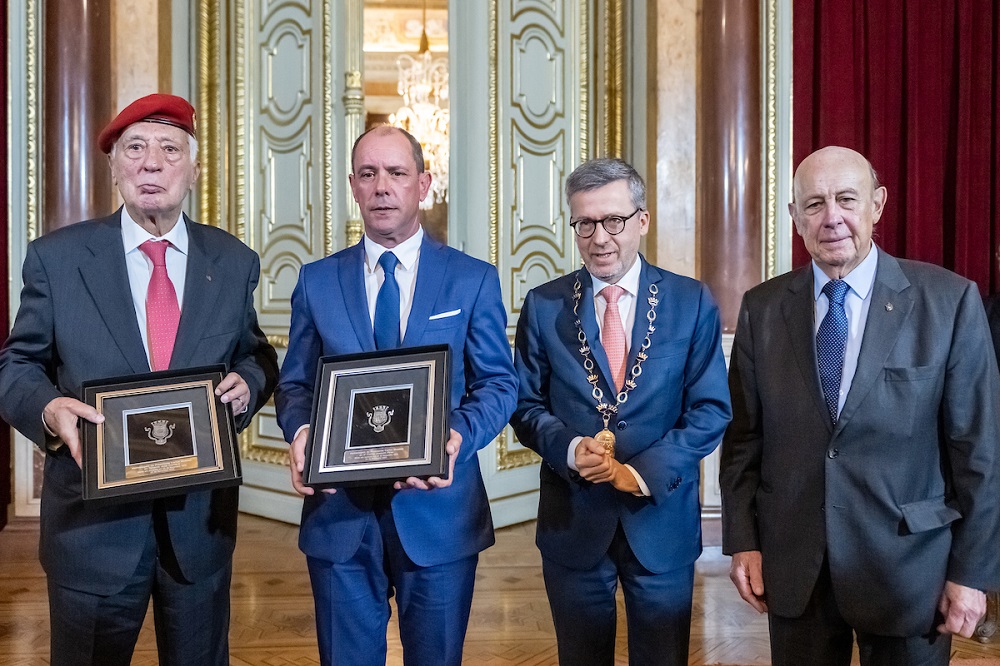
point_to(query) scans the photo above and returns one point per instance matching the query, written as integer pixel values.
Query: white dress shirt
(626, 309)
(140, 266)
(408, 253)
(857, 302)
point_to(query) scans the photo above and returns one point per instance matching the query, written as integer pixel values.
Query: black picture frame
(164, 433)
(379, 417)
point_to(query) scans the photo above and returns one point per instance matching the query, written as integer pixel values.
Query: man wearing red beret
(142, 289)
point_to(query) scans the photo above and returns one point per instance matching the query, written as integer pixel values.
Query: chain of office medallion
(604, 408)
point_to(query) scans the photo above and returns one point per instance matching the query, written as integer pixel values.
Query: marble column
(729, 210)
(77, 101)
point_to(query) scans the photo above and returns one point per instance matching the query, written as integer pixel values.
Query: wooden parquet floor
(272, 614)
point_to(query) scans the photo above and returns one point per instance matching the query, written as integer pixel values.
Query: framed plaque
(164, 433)
(379, 417)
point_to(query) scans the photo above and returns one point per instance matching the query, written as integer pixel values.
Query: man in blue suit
(419, 539)
(622, 393)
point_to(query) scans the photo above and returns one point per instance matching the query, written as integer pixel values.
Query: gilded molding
(354, 110)
(31, 83)
(279, 341)
(507, 459)
(327, 127)
(249, 450)
(584, 81)
(209, 96)
(244, 141)
(494, 123)
(354, 107)
(614, 76)
(770, 140)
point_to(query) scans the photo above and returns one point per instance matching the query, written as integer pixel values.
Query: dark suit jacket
(672, 419)
(992, 305)
(330, 316)
(77, 322)
(903, 493)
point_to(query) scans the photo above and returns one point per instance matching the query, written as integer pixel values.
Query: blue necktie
(387, 305)
(831, 341)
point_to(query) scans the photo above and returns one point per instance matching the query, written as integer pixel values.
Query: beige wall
(673, 237)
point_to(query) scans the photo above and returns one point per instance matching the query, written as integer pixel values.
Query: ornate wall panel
(270, 164)
(540, 135)
(538, 128)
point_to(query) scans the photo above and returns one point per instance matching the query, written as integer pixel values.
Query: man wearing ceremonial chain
(622, 392)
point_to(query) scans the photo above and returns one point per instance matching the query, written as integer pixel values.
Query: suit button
(832, 453)
(622, 425)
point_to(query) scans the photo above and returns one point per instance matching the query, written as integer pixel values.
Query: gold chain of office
(605, 408)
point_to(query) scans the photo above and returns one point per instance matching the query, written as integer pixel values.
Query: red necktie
(162, 312)
(613, 334)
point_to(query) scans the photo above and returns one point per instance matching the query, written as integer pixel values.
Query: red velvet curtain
(914, 87)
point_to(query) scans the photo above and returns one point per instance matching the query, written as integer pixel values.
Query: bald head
(837, 203)
(833, 157)
(386, 130)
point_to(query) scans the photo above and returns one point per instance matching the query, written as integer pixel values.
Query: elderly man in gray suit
(145, 288)
(860, 477)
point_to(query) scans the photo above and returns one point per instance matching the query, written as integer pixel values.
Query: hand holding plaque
(162, 433)
(380, 418)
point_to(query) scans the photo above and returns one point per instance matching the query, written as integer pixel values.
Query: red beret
(156, 108)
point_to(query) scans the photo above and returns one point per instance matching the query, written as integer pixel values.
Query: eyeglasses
(613, 224)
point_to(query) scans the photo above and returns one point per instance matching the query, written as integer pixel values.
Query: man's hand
(591, 461)
(297, 462)
(234, 392)
(596, 466)
(746, 572)
(962, 607)
(62, 416)
(452, 447)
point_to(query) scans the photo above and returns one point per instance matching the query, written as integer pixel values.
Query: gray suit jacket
(903, 493)
(76, 322)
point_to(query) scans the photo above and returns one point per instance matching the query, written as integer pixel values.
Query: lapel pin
(888, 307)
(209, 277)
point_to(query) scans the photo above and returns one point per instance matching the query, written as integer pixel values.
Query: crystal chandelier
(423, 83)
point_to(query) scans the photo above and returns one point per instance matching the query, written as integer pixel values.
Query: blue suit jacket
(330, 316)
(672, 419)
(76, 322)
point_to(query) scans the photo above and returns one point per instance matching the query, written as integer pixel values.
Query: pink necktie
(162, 312)
(613, 334)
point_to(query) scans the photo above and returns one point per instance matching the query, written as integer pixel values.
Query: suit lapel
(106, 279)
(430, 278)
(352, 285)
(201, 290)
(798, 310)
(889, 309)
(588, 320)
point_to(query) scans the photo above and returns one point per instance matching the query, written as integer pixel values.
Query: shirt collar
(860, 280)
(133, 235)
(629, 282)
(407, 251)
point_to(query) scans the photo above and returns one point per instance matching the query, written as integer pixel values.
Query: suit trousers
(352, 601)
(191, 619)
(657, 609)
(821, 637)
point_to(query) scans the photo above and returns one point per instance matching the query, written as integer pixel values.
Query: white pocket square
(442, 315)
